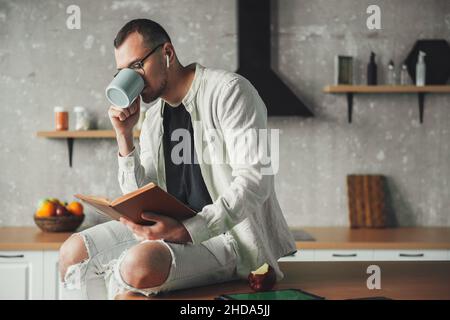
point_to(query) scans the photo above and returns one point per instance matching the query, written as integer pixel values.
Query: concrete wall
(43, 64)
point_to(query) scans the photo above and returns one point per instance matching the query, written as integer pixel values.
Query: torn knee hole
(73, 275)
(74, 251)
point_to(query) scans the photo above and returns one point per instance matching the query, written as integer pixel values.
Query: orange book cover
(149, 198)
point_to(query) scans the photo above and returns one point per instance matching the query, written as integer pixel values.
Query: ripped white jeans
(98, 277)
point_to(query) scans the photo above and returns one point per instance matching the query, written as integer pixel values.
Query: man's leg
(72, 251)
(157, 266)
(146, 265)
(87, 257)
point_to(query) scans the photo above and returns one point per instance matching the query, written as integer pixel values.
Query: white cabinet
(369, 255)
(21, 275)
(410, 255)
(29, 275)
(52, 283)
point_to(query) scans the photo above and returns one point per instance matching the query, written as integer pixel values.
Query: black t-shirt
(184, 180)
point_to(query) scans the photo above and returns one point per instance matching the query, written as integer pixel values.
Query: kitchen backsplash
(44, 64)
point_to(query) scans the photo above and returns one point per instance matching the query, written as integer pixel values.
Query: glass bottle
(372, 71)
(391, 76)
(82, 121)
(61, 118)
(405, 80)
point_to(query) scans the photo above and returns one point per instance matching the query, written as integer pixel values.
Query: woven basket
(59, 224)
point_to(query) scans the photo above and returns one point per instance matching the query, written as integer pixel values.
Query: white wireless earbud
(167, 60)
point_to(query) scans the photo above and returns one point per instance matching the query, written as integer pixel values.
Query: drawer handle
(411, 255)
(349, 255)
(11, 256)
(291, 254)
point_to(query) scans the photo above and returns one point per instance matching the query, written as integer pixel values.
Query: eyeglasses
(140, 64)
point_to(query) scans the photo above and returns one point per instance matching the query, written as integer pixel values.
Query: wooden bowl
(59, 224)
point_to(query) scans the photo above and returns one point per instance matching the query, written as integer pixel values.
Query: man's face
(154, 71)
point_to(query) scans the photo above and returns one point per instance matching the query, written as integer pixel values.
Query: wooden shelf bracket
(421, 96)
(70, 137)
(350, 90)
(350, 106)
(70, 149)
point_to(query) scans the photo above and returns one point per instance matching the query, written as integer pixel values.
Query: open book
(149, 198)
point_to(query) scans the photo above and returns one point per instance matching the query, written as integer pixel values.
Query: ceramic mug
(125, 88)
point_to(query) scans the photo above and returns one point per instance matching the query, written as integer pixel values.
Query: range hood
(254, 60)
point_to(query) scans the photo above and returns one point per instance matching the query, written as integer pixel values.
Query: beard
(149, 96)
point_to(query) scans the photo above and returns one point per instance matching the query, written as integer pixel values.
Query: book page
(100, 200)
(100, 206)
(132, 194)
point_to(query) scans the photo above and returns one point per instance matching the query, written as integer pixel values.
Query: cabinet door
(410, 255)
(21, 275)
(51, 283)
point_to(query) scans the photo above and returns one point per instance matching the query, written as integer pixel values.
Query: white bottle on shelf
(82, 121)
(421, 70)
(392, 76)
(404, 76)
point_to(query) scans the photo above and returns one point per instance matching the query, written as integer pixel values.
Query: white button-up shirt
(245, 205)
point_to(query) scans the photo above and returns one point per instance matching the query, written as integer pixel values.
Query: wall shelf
(350, 90)
(85, 134)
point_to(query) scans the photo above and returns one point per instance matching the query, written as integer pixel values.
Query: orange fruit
(75, 208)
(41, 202)
(47, 209)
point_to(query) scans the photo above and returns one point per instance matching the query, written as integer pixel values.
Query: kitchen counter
(389, 238)
(31, 238)
(405, 274)
(340, 280)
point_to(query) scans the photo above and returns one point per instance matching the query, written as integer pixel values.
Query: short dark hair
(151, 31)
